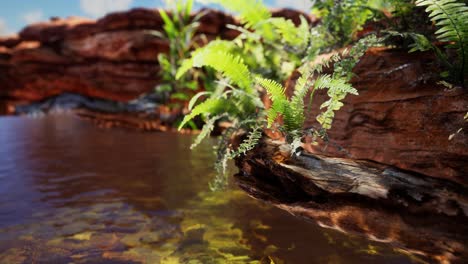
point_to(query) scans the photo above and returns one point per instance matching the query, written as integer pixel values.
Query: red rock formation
(401, 117)
(112, 58)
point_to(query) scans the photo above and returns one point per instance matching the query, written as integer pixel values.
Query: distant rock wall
(111, 58)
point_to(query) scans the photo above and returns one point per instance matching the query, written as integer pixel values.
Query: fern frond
(216, 55)
(185, 66)
(336, 85)
(274, 89)
(451, 17)
(211, 106)
(206, 130)
(230, 66)
(338, 88)
(278, 97)
(215, 45)
(248, 144)
(297, 103)
(195, 98)
(277, 108)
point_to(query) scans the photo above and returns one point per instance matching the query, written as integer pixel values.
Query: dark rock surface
(417, 214)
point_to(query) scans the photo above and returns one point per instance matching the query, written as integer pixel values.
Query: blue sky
(14, 15)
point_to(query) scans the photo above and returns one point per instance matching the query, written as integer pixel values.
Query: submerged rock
(68, 101)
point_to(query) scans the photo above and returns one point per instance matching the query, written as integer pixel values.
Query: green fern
(292, 110)
(216, 56)
(338, 88)
(216, 45)
(338, 84)
(277, 96)
(230, 66)
(206, 130)
(211, 106)
(296, 121)
(451, 17)
(249, 143)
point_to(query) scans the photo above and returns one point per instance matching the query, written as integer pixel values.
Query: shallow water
(73, 193)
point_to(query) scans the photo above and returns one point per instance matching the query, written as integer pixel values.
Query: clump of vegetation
(179, 30)
(312, 78)
(263, 55)
(269, 49)
(451, 18)
(343, 19)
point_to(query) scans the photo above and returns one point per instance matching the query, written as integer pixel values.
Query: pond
(74, 193)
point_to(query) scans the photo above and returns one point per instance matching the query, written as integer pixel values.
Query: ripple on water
(73, 193)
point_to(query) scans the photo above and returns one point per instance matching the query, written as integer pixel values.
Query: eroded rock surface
(401, 117)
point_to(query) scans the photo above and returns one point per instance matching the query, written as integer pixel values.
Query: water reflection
(70, 192)
(433, 238)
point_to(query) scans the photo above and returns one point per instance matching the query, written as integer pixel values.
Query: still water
(74, 193)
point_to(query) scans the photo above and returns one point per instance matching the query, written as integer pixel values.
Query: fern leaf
(272, 114)
(338, 88)
(230, 66)
(248, 144)
(277, 96)
(277, 108)
(211, 105)
(274, 89)
(297, 103)
(186, 65)
(452, 19)
(215, 45)
(195, 98)
(206, 130)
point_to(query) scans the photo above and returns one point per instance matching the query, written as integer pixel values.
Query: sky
(14, 15)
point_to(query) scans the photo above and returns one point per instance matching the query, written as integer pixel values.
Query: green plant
(271, 47)
(266, 46)
(242, 67)
(337, 84)
(342, 19)
(234, 99)
(245, 57)
(179, 30)
(451, 17)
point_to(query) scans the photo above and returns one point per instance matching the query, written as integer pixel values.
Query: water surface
(74, 193)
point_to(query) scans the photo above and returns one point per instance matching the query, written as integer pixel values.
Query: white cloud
(303, 5)
(97, 8)
(4, 30)
(33, 16)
